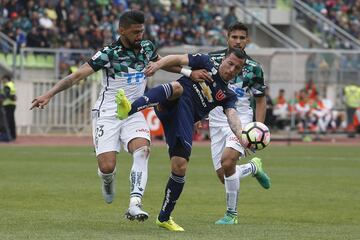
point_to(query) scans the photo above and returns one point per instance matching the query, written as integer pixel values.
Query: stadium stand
(53, 23)
(48, 39)
(345, 13)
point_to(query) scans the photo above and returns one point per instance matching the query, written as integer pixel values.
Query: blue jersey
(198, 99)
(206, 95)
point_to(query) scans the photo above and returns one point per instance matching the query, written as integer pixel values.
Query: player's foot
(123, 105)
(260, 174)
(229, 218)
(169, 225)
(136, 213)
(108, 191)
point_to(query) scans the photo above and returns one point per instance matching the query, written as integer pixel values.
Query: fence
(69, 111)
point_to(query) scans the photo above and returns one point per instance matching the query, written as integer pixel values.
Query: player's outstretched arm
(65, 83)
(236, 127)
(165, 62)
(234, 122)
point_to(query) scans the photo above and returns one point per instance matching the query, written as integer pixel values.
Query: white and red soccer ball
(256, 135)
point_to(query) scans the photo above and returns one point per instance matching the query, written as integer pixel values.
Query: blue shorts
(177, 118)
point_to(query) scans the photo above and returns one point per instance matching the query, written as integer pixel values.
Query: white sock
(245, 170)
(107, 177)
(232, 188)
(139, 172)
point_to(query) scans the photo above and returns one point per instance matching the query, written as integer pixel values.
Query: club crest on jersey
(220, 95)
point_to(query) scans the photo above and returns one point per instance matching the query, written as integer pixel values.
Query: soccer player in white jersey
(225, 147)
(123, 64)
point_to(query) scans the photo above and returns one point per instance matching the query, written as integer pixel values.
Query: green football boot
(123, 105)
(260, 174)
(228, 219)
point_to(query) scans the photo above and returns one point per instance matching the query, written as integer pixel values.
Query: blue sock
(152, 98)
(173, 190)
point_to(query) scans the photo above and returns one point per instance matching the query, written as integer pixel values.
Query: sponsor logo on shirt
(143, 130)
(136, 78)
(199, 95)
(123, 58)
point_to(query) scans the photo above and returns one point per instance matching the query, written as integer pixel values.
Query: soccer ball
(256, 135)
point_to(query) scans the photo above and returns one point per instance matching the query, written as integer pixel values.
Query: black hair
(237, 26)
(131, 17)
(239, 53)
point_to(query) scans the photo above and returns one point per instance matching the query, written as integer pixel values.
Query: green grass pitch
(54, 193)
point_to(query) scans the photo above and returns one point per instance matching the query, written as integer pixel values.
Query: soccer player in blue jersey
(179, 105)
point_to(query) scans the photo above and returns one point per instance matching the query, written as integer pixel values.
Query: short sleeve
(198, 61)
(230, 103)
(258, 84)
(154, 56)
(101, 59)
(148, 48)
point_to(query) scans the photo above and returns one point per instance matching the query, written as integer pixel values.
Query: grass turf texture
(54, 193)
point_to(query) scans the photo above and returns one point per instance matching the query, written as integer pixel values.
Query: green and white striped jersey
(122, 68)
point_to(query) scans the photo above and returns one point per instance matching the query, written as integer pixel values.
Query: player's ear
(121, 30)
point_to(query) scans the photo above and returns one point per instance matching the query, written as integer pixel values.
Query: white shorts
(222, 137)
(109, 133)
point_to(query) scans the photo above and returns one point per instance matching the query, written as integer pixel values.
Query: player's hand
(200, 75)
(151, 68)
(40, 102)
(197, 126)
(247, 151)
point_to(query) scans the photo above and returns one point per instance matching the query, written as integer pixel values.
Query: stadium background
(295, 41)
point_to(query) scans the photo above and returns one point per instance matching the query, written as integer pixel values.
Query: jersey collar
(119, 43)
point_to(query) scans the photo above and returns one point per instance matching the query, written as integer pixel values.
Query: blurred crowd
(93, 24)
(344, 13)
(313, 113)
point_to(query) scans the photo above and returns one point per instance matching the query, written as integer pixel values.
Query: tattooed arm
(65, 83)
(234, 122)
(235, 125)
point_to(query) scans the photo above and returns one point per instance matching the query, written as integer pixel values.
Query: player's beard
(134, 45)
(238, 46)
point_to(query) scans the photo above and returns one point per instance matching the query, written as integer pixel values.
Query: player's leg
(135, 135)
(224, 160)
(174, 187)
(178, 127)
(140, 149)
(151, 98)
(226, 150)
(107, 144)
(232, 184)
(218, 140)
(254, 168)
(107, 171)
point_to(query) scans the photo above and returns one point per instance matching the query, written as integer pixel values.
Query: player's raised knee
(177, 89)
